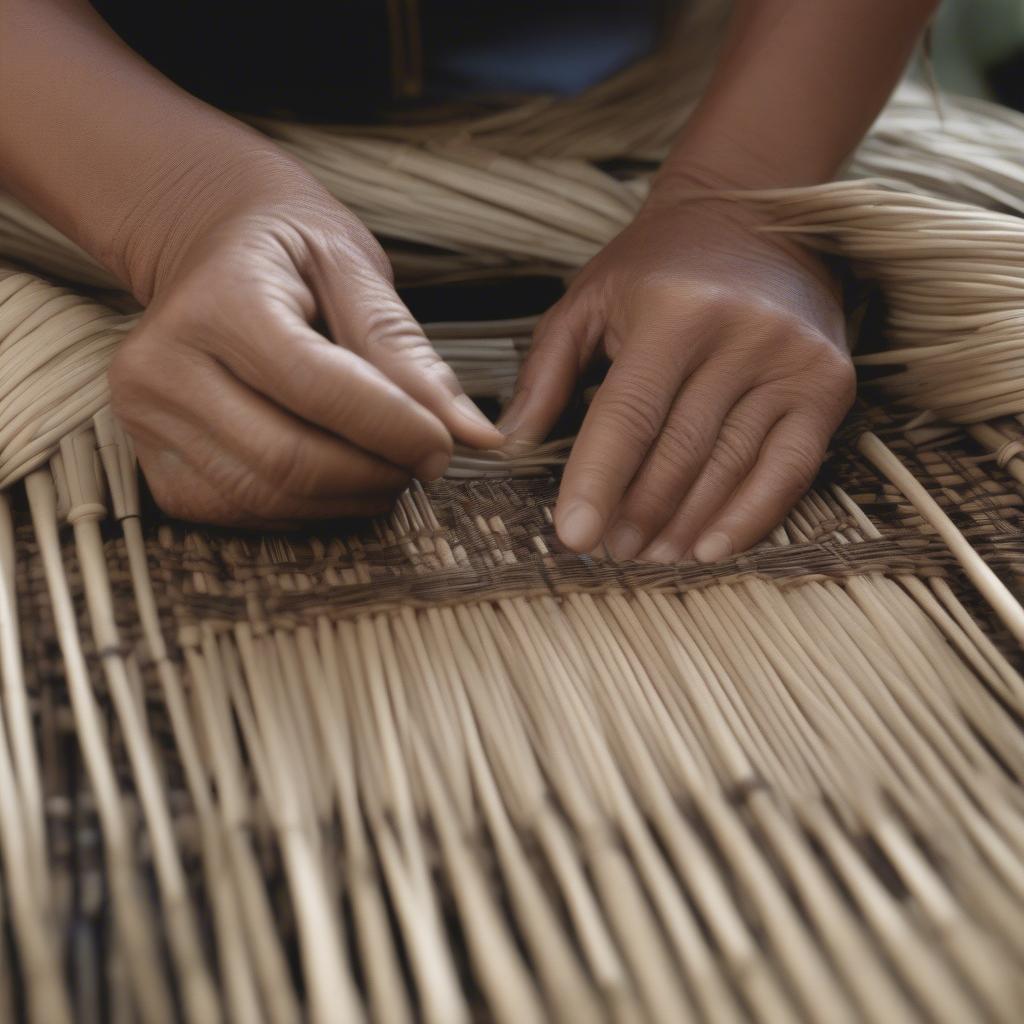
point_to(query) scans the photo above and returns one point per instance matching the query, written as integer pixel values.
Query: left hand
(729, 374)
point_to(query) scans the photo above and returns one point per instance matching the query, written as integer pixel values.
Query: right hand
(276, 376)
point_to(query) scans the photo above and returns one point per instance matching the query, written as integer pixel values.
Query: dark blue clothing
(351, 59)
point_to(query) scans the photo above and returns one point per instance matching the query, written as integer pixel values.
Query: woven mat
(436, 767)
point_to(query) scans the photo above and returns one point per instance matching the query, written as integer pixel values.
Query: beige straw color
(435, 767)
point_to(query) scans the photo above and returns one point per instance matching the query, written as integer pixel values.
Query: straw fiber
(434, 767)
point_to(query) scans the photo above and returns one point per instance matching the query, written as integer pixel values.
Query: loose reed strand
(16, 709)
(85, 509)
(991, 587)
(134, 937)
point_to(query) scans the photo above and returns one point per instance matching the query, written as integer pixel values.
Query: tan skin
(727, 429)
(729, 367)
(243, 413)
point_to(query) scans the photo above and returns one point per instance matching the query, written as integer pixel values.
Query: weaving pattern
(437, 768)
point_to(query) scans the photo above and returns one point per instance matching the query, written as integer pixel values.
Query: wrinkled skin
(728, 369)
(729, 373)
(244, 413)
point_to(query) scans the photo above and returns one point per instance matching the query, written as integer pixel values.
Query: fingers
(687, 439)
(332, 387)
(781, 453)
(220, 452)
(365, 314)
(767, 455)
(563, 343)
(789, 461)
(628, 413)
(183, 494)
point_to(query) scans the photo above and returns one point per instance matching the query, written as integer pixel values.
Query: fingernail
(663, 551)
(468, 408)
(510, 418)
(579, 527)
(433, 466)
(712, 547)
(624, 542)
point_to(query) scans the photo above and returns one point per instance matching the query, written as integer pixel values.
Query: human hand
(729, 373)
(276, 376)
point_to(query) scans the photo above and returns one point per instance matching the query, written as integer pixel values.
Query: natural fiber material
(54, 350)
(948, 269)
(435, 767)
(439, 767)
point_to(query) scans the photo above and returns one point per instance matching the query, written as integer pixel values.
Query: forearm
(107, 149)
(797, 85)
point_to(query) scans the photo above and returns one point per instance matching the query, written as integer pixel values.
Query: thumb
(563, 343)
(364, 313)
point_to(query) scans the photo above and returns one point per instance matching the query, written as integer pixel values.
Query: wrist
(188, 196)
(722, 164)
(677, 188)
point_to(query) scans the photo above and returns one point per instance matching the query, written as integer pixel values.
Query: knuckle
(838, 373)
(682, 439)
(784, 321)
(634, 413)
(827, 379)
(662, 290)
(388, 326)
(128, 372)
(727, 308)
(235, 311)
(553, 342)
(557, 328)
(767, 322)
(202, 300)
(737, 449)
(667, 306)
(237, 493)
(717, 303)
(288, 465)
(818, 347)
(249, 319)
(351, 248)
(549, 329)
(434, 368)
(673, 465)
